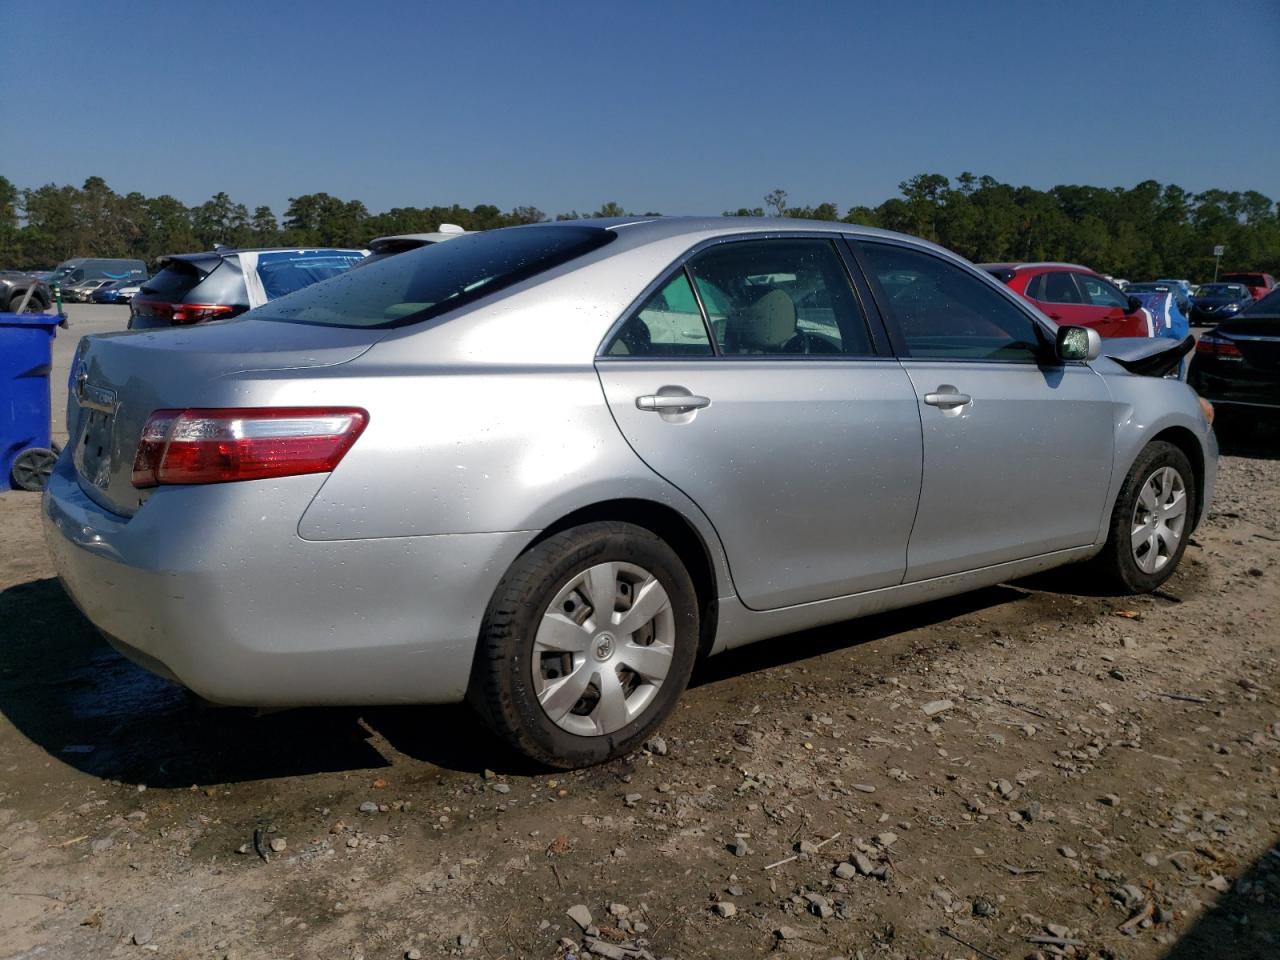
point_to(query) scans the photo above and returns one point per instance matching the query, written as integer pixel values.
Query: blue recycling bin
(26, 355)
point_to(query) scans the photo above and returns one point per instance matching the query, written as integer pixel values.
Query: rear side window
(426, 283)
(175, 281)
(669, 324)
(1058, 287)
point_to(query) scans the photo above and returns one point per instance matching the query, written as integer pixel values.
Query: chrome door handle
(947, 397)
(672, 402)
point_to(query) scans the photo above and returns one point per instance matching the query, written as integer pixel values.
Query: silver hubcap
(603, 648)
(1159, 517)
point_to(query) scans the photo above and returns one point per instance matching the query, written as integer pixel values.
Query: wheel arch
(676, 530)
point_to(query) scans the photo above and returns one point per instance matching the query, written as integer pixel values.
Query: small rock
(618, 910)
(142, 937)
(580, 915)
(413, 955)
(368, 807)
(725, 909)
(935, 707)
(739, 847)
(1068, 852)
(1218, 882)
(1109, 799)
(864, 864)
(278, 845)
(786, 933)
(631, 799)
(501, 788)
(846, 871)
(819, 906)
(982, 907)
(864, 788)
(656, 745)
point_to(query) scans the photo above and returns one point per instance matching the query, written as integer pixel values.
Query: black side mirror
(1134, 305)
(1077, 344)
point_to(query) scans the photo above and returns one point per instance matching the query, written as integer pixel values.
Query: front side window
(780, 298)
(1099, 293)
(945, 313)
(668, 324)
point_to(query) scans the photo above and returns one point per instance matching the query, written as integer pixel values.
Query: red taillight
(1220, 347)
(223, 445)
(181, 313)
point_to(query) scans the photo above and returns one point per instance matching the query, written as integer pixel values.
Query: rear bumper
(213, 587)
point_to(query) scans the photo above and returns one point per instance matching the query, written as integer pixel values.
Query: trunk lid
(119, 379)
(1258, 339)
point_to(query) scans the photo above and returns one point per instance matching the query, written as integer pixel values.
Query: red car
(1074, 295)
(1259, 284)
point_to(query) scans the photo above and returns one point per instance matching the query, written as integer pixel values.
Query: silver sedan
(548, 468)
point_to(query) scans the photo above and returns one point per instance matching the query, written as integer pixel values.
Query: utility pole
(1217, 259)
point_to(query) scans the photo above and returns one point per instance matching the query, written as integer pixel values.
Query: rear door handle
(947, 397)
(666, 403)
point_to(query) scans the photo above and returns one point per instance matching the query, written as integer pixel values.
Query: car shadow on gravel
(1244, 924)
(65, 689)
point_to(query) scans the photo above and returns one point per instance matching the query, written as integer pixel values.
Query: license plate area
(93, 449)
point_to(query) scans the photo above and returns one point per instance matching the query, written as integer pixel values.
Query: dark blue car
(1215, 302)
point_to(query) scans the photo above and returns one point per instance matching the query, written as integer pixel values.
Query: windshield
(435, 279)
(1147, 288)
(1222, 290)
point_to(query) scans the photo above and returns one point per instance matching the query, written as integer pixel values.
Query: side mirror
(1078, 344)
(1134, 305)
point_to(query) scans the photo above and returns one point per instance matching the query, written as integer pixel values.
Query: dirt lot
(1030, 761)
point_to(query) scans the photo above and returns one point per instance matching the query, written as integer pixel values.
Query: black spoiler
(1148, 356)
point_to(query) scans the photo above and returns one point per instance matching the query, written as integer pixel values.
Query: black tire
(31, 468)
(503, 688)
(35, 305)
(1117, 566)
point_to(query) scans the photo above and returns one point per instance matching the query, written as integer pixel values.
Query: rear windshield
(175, 281)
(1250, 279)
(286, 272)
(425, 283)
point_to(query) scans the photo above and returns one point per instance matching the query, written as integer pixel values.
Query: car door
(1114, 318)
(767, 400)
(1017, 446)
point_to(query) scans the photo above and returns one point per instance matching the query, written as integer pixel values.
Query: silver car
(548, 468)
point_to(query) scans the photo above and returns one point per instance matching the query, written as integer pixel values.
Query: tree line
(1150, 230)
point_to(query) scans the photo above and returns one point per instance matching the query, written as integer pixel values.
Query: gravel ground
(1028, 770)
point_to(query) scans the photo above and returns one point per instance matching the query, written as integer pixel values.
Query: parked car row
(1237, 365)
(1072, 294)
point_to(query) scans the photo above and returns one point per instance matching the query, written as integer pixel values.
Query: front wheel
(1151, 521)
(587, 644)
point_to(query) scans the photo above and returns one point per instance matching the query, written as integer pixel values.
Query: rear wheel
(587, 644)
(34, 305)
(1150, 522)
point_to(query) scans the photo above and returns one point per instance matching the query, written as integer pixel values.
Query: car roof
(232, 251)
(1046, 265)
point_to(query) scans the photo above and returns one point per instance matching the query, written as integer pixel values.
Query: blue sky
(690, 107)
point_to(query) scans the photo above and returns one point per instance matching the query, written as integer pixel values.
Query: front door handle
(947, 397)
(672, 403)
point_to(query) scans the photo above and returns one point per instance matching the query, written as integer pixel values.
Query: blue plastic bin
(26, 355)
